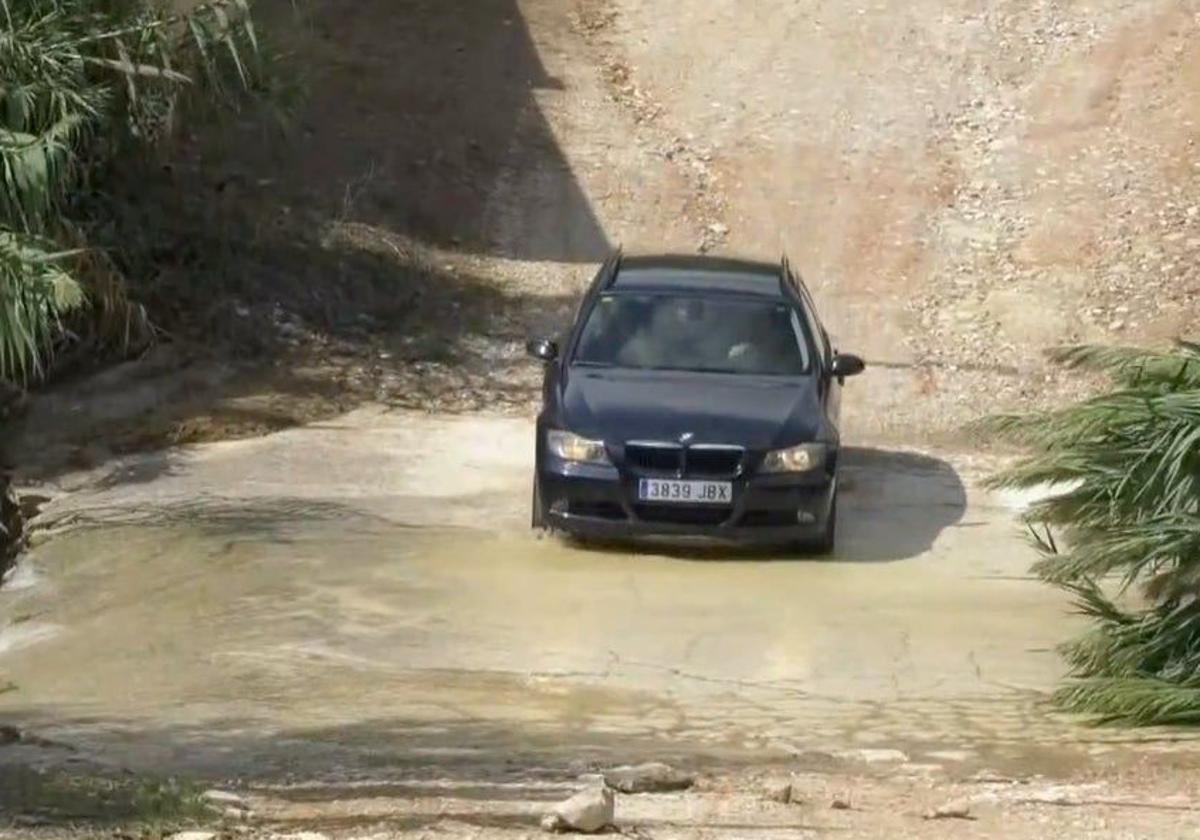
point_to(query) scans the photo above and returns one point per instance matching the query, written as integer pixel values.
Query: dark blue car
(692, 397)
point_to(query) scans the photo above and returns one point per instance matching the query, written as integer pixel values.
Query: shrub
(1129, 462)
(80, 82)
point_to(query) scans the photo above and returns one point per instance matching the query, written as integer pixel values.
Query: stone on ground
(778, 790)
(958, 810)
(586, 812)
(654, 777)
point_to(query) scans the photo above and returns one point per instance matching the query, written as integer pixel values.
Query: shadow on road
(894, 505)
(416, 123)
(421, 117)
(364, 321)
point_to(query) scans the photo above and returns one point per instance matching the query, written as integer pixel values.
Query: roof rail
(787, 282)
(611, 266)
(606, 275)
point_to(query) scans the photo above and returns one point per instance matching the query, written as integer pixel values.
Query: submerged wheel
(536, 519)
(825, 543)
(822, 544)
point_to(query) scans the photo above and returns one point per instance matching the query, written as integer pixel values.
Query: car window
(686, 332)
(814, 323)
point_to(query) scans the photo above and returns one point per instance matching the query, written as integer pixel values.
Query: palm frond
(1132, 701)
(79, 79)
(35, 292)
(1136, 367)
(1127, 467)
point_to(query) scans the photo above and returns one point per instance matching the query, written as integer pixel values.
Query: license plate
(685, 492)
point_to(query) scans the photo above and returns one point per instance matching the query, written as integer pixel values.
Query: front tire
(825, 543)
(537, 519)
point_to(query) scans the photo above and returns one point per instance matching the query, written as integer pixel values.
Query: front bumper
(600, 502)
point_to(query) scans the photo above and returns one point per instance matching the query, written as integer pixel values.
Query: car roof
(688, 273)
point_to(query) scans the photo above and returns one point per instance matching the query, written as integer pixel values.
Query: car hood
(758, 413)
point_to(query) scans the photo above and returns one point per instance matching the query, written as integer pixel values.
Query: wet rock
(779, 790)
(587, 812)
(654, 777)
(957, 810)
(31, 504)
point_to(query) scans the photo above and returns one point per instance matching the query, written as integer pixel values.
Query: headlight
(571, 447)
(803, 458)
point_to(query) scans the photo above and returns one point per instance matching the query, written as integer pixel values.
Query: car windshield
(690, 333)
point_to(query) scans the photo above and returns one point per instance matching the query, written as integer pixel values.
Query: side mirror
(542, 349)
(845, 364)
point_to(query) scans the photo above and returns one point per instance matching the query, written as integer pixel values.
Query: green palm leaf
(77, 77)
(1127, 465)
(35, 291)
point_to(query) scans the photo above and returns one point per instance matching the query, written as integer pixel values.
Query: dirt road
(962, 184)
(350, 619)
(360, 603)
(380, 568)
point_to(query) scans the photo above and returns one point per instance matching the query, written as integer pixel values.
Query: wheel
(825, 543)
(822, 544)
(537, 519)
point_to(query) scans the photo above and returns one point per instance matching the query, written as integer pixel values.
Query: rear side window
(814, 324)
(691, 333)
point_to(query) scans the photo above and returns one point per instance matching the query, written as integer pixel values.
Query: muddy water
(310, 625)
(211, 639)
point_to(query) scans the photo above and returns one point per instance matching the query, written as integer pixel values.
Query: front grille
(714, 462)
(679, 515)
(701, 461)
(654, 458)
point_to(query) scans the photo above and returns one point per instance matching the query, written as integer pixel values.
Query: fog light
(805, 518)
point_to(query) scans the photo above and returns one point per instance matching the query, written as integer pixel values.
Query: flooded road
(273, 606)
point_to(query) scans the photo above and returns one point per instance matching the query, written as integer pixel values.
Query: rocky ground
(962, 187)
(776, 803)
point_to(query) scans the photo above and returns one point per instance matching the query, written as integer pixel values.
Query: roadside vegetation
(148, 806)
(1124, 534)
(85, 84)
